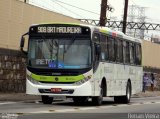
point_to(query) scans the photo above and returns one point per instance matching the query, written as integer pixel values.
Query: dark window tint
(132, 53)
(126, 52)
(119, 50)
(96, 37)
(104, 48)
(138, 57)
(111, 49)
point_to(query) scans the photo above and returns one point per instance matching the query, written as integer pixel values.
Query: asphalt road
(67, 110)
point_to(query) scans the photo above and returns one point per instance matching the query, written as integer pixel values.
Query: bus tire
(127, 97)
(46, 99)
(124, 99)
(80, 99)
(98, 99)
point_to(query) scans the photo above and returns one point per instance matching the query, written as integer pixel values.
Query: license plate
(56, 90)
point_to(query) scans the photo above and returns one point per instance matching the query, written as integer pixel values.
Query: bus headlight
(32, 80)
(83, 80)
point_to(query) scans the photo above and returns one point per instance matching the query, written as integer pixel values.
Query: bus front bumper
(84, 89)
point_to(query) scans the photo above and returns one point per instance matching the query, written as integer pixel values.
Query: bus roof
(118, 34)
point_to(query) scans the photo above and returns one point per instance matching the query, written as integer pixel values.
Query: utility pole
(26, 1)
(103, 13)
(125, 16)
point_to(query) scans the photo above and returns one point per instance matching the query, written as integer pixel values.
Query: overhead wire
(68, 9)
(77, 7)
(133, 2)
(44, 7)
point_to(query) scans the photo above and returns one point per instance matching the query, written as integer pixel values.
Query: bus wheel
(47, 99)
(98, 99)
(127, 97)
(80, 99)
(124, 99)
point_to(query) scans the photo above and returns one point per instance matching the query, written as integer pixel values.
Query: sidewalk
(147, 94)
(17, 97)
(24, 97)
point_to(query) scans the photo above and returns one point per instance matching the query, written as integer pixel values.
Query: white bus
(81, 62)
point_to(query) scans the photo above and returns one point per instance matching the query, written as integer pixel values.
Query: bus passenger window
(127, 53)
(116, 49)
(111, 49)
(131, 53)
(104, 48)
(138, 54)
(96, 38)
(120, 46)
(124, 51)
(119, 52)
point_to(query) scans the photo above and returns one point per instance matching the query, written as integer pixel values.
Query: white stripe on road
(91, 108)
(85, 108)
(5, 103)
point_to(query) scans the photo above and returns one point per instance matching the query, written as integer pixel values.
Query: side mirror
(22, 43)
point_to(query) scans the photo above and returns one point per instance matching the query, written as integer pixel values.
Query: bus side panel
(117, 76)
(97, 76)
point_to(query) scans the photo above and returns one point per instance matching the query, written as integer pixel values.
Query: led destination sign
(59, 29)
(48, 29)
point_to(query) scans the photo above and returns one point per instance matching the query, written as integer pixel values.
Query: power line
(76, 7)
(133, 2)
(42, 6)
(68, 9)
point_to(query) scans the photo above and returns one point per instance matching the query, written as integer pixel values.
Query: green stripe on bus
(104, 31)
(54, 78)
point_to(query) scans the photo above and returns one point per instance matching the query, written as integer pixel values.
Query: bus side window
(96, 38)
(138, 54)
(111, 49)
(127, 53)
(107, 49)
(116, 52)
(104, 49)
(131, 45)
(119, 52)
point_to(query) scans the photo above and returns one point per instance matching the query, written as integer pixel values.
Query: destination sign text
(44, 29)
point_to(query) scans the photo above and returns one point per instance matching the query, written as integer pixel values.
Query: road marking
(78, 109)
(6, 103)
(99, 107)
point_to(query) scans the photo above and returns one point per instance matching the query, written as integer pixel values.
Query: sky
(151, 8)
(92, 9)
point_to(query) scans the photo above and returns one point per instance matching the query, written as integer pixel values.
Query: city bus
(81, 62)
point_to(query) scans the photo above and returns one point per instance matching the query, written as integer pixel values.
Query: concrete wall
(151, 54)
(12, 71)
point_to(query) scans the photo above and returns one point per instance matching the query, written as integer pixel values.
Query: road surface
(67, 110)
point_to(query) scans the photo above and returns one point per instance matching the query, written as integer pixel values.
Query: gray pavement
(17, 97)
(25, 97)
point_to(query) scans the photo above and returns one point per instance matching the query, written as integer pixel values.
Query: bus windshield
(59, 53)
